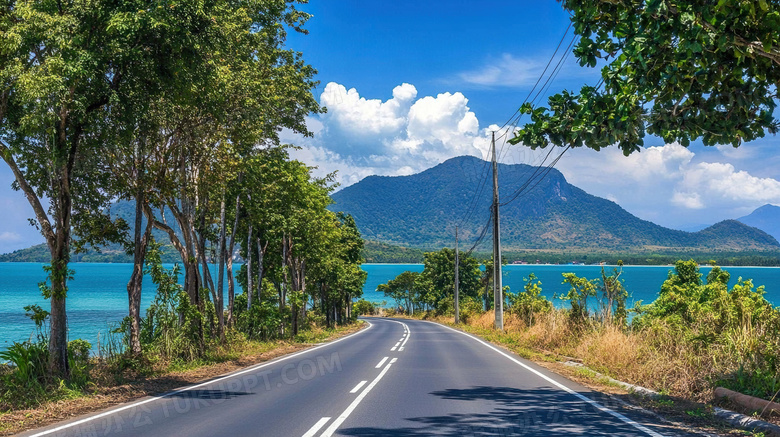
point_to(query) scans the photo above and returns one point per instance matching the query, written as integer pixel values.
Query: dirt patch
(103, 397)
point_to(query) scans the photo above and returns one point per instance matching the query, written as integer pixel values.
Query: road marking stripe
(393, 360)
(192, 387)
(313, 430)
(339, 420)
(400, 349)
(396, 345)
(357, 387)
(400, 339)
(392, 349)
(405, 340)
(582, 397)
(381, 362)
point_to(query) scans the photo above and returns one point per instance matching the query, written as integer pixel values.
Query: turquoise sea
(97, 295)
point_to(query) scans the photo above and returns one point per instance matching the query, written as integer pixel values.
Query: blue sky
(409, 84)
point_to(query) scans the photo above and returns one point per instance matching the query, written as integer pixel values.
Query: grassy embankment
(99, 383)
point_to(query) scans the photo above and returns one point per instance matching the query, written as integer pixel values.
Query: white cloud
(687, 200)
(400, 136)
(506, 71)
(724, 184)
(509, 71)
(670, 184)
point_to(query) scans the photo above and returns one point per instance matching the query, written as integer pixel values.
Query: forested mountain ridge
(422, 211)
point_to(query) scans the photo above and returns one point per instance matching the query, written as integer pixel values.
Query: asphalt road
(395, 378)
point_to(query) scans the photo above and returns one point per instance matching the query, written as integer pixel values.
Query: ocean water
(642, 282)
(97, 296)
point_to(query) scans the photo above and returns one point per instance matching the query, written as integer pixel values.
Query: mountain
(422, 211)
(766, 218)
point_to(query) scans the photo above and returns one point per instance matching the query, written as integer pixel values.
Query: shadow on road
(506, 411)
(209, 394)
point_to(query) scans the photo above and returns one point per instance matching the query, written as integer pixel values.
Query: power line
(514, 120)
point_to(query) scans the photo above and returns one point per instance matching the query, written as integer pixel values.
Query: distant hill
(422, 211)
(766, 218)
(113, 253)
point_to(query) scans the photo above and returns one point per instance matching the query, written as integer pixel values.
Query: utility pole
(498, 293)
(457, 280)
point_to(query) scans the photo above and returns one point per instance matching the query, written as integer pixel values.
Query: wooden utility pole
(498, 294)
(457, 281)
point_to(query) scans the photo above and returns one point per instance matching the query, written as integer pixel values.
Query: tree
(404, 289)
(440, 273)
(61, 66)
(682, 70)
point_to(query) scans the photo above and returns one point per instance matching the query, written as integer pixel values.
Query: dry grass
(656, 358)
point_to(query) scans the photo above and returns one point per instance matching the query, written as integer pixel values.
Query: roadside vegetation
(175, 337)
(176, 110)
(697, 335)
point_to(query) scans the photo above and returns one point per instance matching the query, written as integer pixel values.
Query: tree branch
(32, 198)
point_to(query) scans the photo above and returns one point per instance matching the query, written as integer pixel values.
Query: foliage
(738, 328)
(613, 297)
(29, 362)
(364, 308)
(376, 252)
(170, 328)
(407, 289)
(579, 292)
(260, 322)
(529, 302)
(434, 287)
(682, 71)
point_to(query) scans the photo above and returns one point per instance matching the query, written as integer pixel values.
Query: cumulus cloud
(400, 136)
(722, 183)
(670, 184)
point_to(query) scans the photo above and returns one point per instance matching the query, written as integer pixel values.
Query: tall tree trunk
(140, 242)
(260, 256)
(229, 255)
(60, 257)
(249, 278)
(221, 272)
(283, 297)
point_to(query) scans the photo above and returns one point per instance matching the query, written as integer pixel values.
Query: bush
(735, 332)
(529, 302)
(29, 361)
(363, 307)
(78, 355)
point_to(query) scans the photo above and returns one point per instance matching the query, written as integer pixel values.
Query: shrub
(529, 302)
(363, 307)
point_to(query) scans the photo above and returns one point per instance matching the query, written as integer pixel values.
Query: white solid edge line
(313, 430)
(339, 420)
(381, 362)
(169, 394)
(561, 386)
(357, 387)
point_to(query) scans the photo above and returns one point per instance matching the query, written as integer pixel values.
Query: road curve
(395, 378)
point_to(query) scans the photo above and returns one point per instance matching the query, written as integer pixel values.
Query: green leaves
(682, 72)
